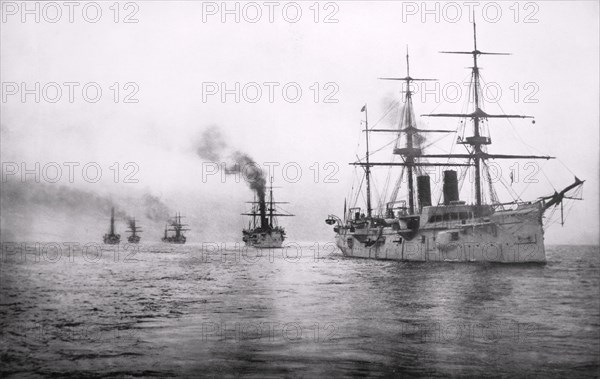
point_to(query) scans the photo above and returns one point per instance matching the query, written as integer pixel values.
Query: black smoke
(213, 146)
(33, 210)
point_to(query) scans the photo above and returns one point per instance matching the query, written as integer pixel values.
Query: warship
(414, 228)
(266, 234)
(111, 238)
(134, 230)
(178, 228)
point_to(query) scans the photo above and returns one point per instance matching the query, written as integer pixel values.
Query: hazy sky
(177, 58)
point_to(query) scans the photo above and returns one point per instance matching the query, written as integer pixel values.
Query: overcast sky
(170, 59)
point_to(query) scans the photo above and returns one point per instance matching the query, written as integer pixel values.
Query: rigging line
(510, 191)
(435, 142)
(567, 212)
(543, 173)
(358, 192)
(493, 194)
(374, 184)
(378, 150)
(397, 185)
(355, 194)
(391, 107)
(354, 179)
(385, 189)
(463, 176)
(519, 136)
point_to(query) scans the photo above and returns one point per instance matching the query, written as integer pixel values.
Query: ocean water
(219, 311)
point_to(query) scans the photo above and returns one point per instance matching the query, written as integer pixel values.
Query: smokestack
(450, 187)
(424, 191)
(264, 224)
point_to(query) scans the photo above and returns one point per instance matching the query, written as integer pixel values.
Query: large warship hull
(263, 240)
(453, 231)
(514, 236)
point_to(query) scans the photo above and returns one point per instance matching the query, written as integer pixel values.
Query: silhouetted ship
(111, 238)
(134, 230)
(177, 228)
(415, 229)
(266, 234)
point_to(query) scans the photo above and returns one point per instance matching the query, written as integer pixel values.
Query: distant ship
(134, 230)
(451, 230)
(267, 234)
(178, 228)
(111, 238)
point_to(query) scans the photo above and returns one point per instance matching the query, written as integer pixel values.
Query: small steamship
(177, 227)
(112, 238)
(134, 231)
(414, 228)
(266, 233)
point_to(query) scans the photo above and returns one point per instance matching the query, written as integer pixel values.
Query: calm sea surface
(185, 311)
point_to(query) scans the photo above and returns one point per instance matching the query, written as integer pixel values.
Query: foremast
(477, 141)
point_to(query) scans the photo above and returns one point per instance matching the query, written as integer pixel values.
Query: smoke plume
(156, 210)
(40, 210)
(212, 146)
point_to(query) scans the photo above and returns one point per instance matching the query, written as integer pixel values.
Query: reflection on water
(167, 311)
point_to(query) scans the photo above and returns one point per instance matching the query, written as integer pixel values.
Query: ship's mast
(408, 126)
(112, 220)
(368, 166)
(254, 213)
(409, 138)
(133, 227)
(271, 204)
(476, 141)
(266, 222)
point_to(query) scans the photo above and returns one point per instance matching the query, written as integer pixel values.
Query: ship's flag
(364, 108)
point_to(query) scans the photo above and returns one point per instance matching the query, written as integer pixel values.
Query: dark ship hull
(261, 239)
(134, 239)
(177, 240)
(112, 239)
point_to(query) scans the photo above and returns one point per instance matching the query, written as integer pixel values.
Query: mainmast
(408, 126)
